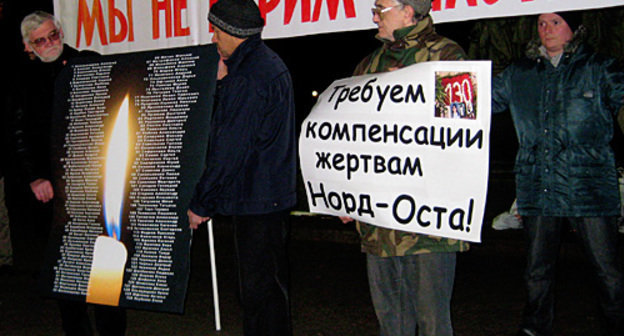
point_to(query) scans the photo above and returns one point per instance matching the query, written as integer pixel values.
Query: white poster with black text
(121, 26)
(406, 149)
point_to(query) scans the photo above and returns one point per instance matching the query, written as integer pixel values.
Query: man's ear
(409, 14)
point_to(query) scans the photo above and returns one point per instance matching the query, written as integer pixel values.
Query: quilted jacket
(563, 118)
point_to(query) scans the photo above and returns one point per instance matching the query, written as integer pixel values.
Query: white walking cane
(213, 269)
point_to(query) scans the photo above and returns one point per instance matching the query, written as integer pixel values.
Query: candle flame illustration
(109, 253)
(115, 174)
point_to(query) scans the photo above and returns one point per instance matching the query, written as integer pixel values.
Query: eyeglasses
(54, 36)
(379, 11)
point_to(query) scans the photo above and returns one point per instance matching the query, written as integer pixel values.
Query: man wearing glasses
(46, 40)
(410, 275)
(42, 36)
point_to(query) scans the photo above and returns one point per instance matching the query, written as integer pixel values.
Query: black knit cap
(573, 19)
(239, 18)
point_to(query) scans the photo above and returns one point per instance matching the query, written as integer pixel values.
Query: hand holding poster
(406, 150)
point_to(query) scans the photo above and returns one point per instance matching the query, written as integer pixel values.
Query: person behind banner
(43, 36)
(250, 169)
(564, 98)
(29, 119)
(410, 275)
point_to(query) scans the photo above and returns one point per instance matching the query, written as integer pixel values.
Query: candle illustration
(110, 254)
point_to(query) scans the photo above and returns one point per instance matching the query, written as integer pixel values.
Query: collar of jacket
(52, 69)
(533, 48)
(241, 52)
(411, 36)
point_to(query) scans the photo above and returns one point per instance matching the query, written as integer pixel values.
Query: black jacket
(30, 122)
(251, 161)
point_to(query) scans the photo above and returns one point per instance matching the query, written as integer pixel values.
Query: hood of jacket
(533, 51)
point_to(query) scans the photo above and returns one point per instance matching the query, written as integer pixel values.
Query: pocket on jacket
(594, 187)
(590, 157)
(527, 184)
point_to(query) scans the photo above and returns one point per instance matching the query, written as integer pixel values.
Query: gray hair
(34, 20)
(421, 7)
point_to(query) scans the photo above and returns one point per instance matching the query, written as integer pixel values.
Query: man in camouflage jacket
(410, 275)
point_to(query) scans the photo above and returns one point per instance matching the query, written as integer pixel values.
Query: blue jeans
(599, 239)
(413, 293)
(263, 273)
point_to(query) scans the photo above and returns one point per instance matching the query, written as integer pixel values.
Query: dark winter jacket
(251, 161)
(564, 119)
(31, 120)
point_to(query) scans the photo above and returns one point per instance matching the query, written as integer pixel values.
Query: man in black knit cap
(250, 169)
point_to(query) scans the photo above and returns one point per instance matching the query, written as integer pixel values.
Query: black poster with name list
(129, 137)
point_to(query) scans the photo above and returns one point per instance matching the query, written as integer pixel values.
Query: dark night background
(329, 287)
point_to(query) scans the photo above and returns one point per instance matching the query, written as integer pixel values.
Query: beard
(51, 54)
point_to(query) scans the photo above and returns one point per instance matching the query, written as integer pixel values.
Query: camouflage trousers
(6, 252)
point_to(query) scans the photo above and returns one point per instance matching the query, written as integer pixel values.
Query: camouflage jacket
(414, 44)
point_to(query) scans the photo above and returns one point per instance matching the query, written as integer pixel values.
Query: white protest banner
(117, 26)
(407, 149)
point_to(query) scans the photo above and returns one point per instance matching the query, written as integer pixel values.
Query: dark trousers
(30, 222)
(109, 321)
(412, 293)
(263, 273)
(599, 239)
